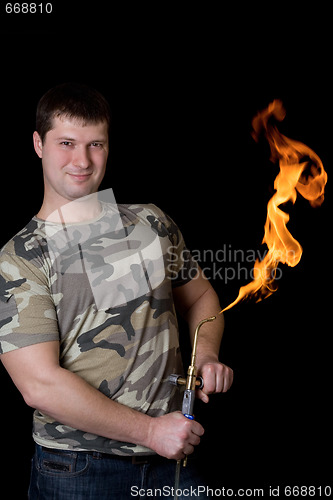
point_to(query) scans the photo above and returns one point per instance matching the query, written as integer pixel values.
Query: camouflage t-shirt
(103, 288)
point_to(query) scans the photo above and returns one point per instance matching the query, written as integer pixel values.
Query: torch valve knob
(178, 380)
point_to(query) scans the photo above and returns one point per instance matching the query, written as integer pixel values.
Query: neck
(80, 210)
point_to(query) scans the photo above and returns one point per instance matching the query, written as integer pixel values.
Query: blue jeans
(70, 475)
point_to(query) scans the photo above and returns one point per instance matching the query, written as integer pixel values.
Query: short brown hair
(72, 100)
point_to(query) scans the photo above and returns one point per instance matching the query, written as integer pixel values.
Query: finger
(221, 381)
(179, 456)
(194, 440)
(209, 376)
(188, 449)
(201, 395)
(224, 378)
(228, 379)
(197, 429)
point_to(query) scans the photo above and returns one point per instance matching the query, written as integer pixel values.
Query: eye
(66, 143)
(96, 145)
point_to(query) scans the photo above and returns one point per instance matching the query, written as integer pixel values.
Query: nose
(81, 158)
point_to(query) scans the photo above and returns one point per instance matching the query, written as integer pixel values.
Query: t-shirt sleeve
(181, 267)
(27, 311)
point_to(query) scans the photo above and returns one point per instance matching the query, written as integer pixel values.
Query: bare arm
(66, 397)
(196, 301)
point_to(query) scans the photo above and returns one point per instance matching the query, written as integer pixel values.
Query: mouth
(79, 177)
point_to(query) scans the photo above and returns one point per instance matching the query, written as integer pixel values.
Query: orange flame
(307, 177)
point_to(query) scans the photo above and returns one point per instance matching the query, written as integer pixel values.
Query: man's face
(74, 159)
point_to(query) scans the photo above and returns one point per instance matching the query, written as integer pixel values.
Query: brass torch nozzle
(192, 370)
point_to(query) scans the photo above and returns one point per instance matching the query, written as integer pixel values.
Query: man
(88, 330)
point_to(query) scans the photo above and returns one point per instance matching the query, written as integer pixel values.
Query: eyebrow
(70, 139)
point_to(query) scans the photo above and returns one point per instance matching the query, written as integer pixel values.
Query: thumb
(201, 395)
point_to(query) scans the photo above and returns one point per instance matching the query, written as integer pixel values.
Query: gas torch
(191, 382)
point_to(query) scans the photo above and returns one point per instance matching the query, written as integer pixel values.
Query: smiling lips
(79, 176)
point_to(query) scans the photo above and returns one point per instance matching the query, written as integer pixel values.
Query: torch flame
(307, 177)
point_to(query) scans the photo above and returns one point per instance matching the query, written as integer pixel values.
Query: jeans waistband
(134, 459)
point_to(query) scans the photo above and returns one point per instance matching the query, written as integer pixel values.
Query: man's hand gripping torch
(192, 381)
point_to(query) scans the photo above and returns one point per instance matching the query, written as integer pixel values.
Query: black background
(183, 88)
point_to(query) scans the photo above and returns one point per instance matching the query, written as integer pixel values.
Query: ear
(38, 145)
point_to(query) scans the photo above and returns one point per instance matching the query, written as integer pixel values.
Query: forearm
(70, 400)
(75, 403)
(197, 300)
(210, 335)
